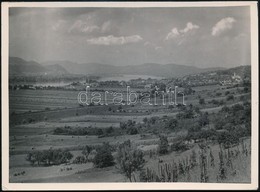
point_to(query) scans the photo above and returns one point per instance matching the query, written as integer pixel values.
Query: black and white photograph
(130, 93)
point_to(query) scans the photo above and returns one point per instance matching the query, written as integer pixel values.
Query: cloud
(189, 27)
(177, 33)
(82, 27)
(111, 40)
(223, 25)
(174, 33)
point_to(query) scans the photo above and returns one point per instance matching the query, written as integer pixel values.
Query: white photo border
(128, 186)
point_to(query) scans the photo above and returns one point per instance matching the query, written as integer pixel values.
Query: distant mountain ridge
(20, 66)
(151, 69)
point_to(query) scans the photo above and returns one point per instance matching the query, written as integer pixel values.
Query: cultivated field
(34, 128)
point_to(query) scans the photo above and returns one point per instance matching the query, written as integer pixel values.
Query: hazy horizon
(201, 37)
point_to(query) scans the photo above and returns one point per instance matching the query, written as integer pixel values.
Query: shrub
(87, 149)
(179, 146)
(172, 124)
(123, 125)
(132, 131)
(170, 106)
(104, 156)
(208, 134)
(227, 139)
(241, 98)
(30, 120)
(218, 94)
(145, 120)
(110, 130)
(204, 119)
(49, 157)
(100, 132)
(80, 160)
(230, 97)
(201, 101)
(152, 120)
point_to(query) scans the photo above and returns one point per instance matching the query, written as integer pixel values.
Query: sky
(195, 36)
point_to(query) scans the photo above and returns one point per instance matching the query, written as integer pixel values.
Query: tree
(227, 92)
(80, 160)
(204, 178)
(49, 157)
(130, 127)
(227, 139)
(193, 158)
(163, 145)
(197, 110)
(123, 125)
(212, 160)
(100, 132)
(104, 157)
(87, 149)
(129, 159)
(188, 91)
(110, 130)
(145, 120)
(204, 120)
(222, 170)
(152, 120)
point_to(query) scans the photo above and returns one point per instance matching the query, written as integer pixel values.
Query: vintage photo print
(129, 95)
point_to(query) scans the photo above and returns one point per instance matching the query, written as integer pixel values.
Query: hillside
(151, 69)
(243, 71)
(18, 66)
(56, 68)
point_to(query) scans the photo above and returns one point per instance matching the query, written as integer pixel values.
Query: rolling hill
(151, 69)
(18, 66)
